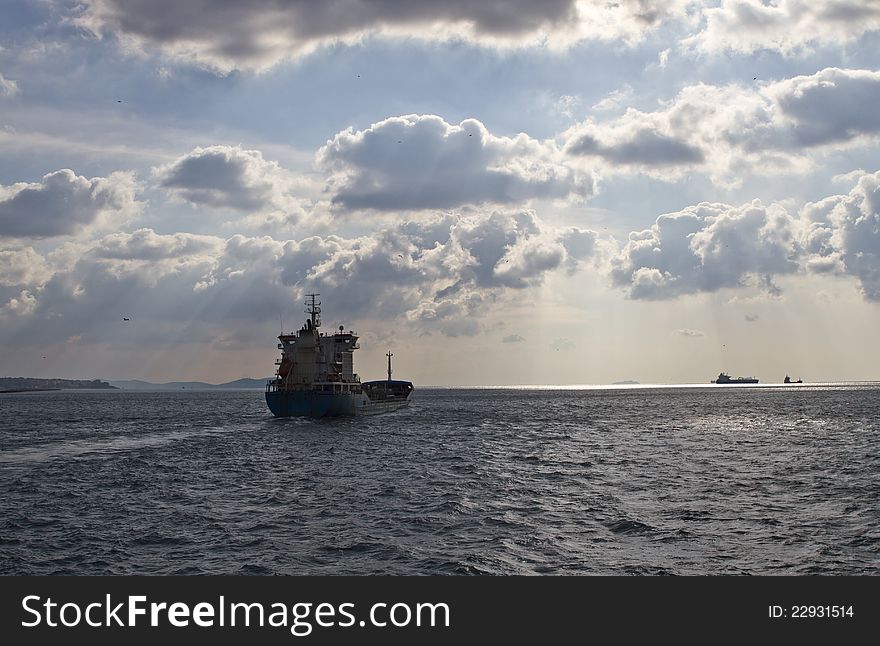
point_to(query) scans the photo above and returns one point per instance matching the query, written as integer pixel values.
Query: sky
(501, 193)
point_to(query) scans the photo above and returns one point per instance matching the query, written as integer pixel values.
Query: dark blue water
(628, 481)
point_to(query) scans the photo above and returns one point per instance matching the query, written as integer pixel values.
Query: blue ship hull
(310, 403)
(314, 403)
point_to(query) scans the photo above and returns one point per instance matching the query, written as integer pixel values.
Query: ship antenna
(389, 355)
(314, 309)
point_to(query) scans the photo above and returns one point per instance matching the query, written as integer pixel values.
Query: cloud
(440, 273)
(228, 177)
(416, 162)
(728, 131)
(229, 35)
(708, 247)
(20, 265)
(580, 245)
(786, 26)
(513, 338)
(615, 98)
(8, 87)
(633, 145)
(147, 245)
(689, 333)
(63, 203)
(566, 105)
(844, 234)
(831, 106)
(751, 318)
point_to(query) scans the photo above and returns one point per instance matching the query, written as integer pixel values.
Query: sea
(634, 480)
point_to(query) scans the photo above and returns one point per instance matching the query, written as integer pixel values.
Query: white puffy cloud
(686, 332)
(831, 106)
(256, 35)
(146, 244)
(20, 265)
(787, 26)
(728, 131)
(229, 177)
(438, 273)
(22, 304)
(8, 87)
(418, 162)
(844, 234)
(63, 203)
(513, 338)
(439, 276)
(708, 247)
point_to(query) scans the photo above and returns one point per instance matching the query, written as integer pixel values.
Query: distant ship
(788, 380)
(315, 376)
(724, 378)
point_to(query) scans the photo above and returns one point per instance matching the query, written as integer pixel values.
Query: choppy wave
(472, 481)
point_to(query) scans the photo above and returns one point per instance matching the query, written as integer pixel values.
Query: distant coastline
(238, 384)
(33, 384)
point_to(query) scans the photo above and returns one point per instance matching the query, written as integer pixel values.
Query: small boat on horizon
(788, 380)
(724, 378)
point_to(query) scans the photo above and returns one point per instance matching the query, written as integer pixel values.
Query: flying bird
(125, 318)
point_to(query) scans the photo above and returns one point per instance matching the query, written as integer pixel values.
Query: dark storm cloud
(421, 162)
(62, 203)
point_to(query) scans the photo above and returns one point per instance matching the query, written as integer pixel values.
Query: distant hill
(626, 382)
(238, 384)
(15, 384)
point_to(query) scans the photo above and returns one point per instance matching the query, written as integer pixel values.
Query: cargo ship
(315, 375)
(724, 378)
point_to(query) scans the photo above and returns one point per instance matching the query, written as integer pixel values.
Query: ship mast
(314, 310)
(389, 355)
